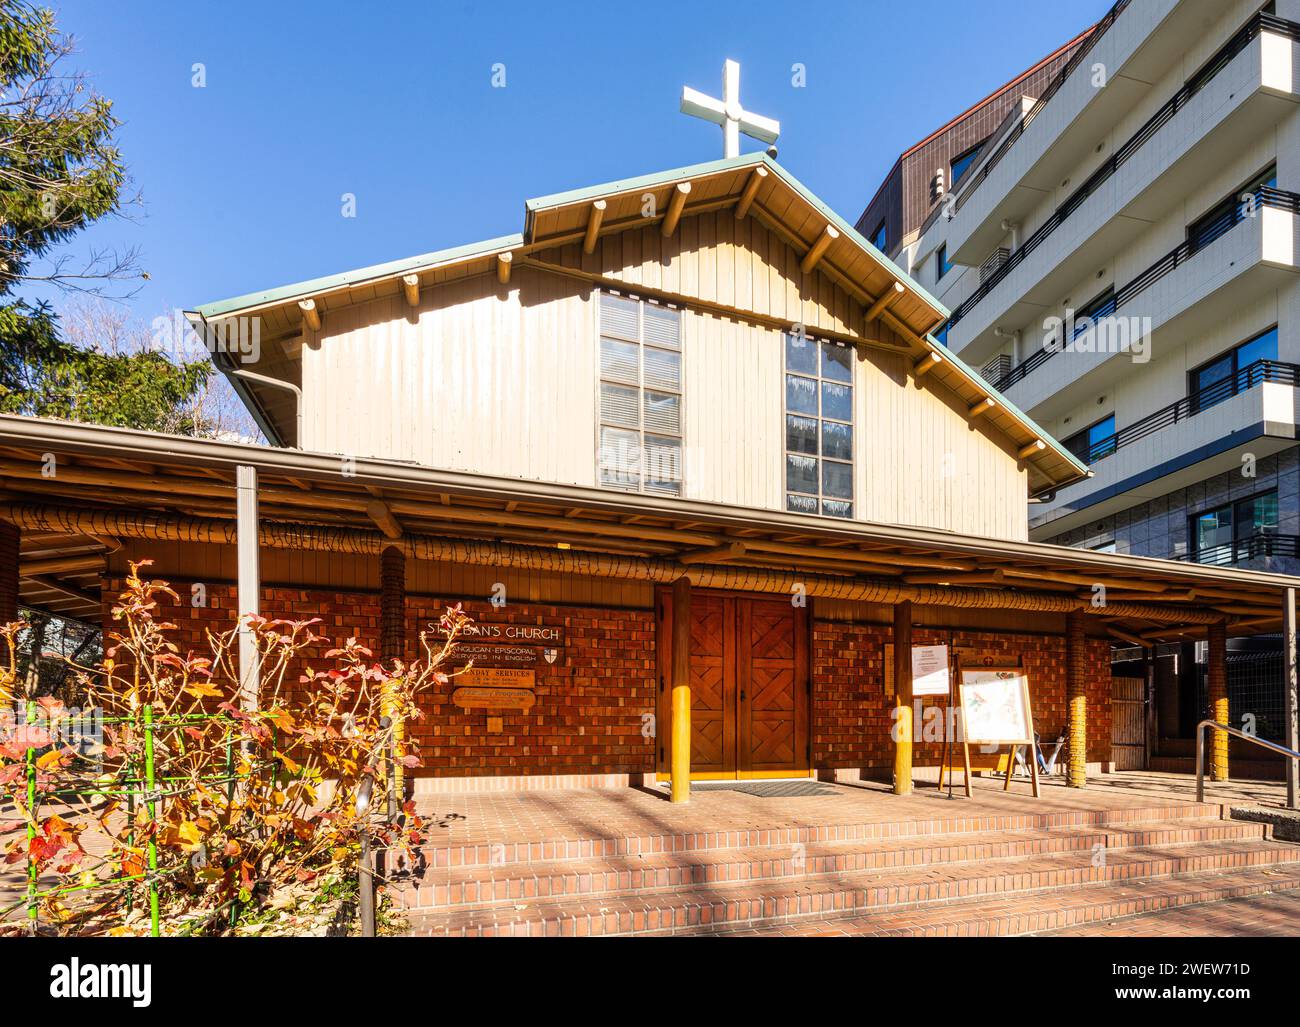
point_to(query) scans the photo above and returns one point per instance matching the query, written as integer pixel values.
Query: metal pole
(32, 876)
(246, 527)
(365, 877)
(1289, 693)
(151, 805)
(1200, 762)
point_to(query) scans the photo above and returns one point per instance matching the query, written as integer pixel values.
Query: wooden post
(903, 698)
(1217, 681)
(681, 685)
(1289, 689)
(392, 646)
(10, 538)
(249, 583)
(1076, 697)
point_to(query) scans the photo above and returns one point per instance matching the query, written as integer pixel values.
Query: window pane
(800, 354)
(620, 458)
(1257, 516)
(663, 413)
(618, 316)
(1262, 347)
(801, 434)
(1214, 536)
(619, 405)
(801, 504)
(837, 362)
(837, 401)
(836, 508)
(837, 480)
(837, 440)
(1214, 372)
(663, 464)
(800, 394)
(801, 474)
(663, 327)
(663, 370)
(618, 360)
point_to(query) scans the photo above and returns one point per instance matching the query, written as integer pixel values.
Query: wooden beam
(716, 554)
(378, 511)
(675, 206)
(411, 286)
(55, 585)
(981, 408)
(885, 300)
(61, 565)
(594, 219)
(995, 578)
(829, 234)
(310, 314)
(681, 691)
(504, 262)
(751, 190)
(927, 364)
(1037, 446)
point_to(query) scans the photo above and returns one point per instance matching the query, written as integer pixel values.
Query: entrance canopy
(75, 490)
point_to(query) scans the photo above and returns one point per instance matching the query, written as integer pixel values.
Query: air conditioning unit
(938, 186)
(996, 369)
(991, 266)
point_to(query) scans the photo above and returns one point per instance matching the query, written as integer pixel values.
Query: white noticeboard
(930, 670)
(995, 707)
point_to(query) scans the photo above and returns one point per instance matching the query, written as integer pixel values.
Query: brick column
(392, 604)
(10, 536)
(1217, 681)
(1076, 697)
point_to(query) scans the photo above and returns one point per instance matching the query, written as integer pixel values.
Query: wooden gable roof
(750, 186)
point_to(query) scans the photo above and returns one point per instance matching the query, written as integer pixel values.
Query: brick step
(590, 847)
(732, 905)
(1020, 915)
(441, 888)
(1244, 770)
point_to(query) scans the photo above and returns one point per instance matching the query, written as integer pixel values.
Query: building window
(879, 237)
(1214, 222)
(1105, 547)
(1235, 531)
(941, 263)
(963, 162)
(640, 396)
(818, 427)
(1229, 373)
(1094, 442)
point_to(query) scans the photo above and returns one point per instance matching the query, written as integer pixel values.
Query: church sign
(493, 698)
(515, 634)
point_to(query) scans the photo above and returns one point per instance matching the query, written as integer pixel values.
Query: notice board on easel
(995, 711)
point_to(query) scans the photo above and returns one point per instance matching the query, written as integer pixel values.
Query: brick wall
(590, 702)
(588, 717)
(852, 714)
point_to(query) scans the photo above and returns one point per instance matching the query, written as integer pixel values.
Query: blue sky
(242, 179)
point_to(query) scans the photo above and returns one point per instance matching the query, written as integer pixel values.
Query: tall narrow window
(640, 396)
(818, 427)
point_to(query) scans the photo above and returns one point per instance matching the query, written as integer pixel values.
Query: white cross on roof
(728, 112)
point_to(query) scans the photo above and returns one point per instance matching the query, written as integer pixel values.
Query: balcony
(1138, 44)
(1201, 435)
(1248, 87)
(1261, 551)
(1196, 283)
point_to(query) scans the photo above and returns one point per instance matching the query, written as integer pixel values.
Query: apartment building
(1120, 259)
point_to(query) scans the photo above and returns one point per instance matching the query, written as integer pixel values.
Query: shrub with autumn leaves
(251, 824)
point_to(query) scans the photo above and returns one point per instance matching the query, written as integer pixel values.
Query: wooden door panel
(772, 677)
(712, 686)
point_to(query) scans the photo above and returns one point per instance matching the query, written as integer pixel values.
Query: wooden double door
(749, 686)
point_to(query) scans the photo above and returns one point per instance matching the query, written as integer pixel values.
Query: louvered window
(640, 396)
(818, 427)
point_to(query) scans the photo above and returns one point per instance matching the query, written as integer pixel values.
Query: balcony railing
(1278, 199)
(1239, 41)
(1261, 543)
(1247, 378)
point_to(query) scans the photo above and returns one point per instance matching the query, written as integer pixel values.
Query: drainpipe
(1014, 228)
(1014, 336)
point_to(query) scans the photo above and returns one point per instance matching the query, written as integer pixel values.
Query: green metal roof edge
(623, 185)
(363, 274)
(1011, 408)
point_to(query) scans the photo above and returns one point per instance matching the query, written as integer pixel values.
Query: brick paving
(1274, 916)
(859, 861)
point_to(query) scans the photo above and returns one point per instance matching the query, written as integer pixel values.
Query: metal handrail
(1200, 750)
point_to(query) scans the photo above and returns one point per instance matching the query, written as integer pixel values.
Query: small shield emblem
(550, 655)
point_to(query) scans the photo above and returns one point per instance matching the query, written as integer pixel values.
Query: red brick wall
(588, 717)
(852, 715)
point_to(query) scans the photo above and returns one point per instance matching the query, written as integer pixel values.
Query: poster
(995, 707)
(930, 670)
